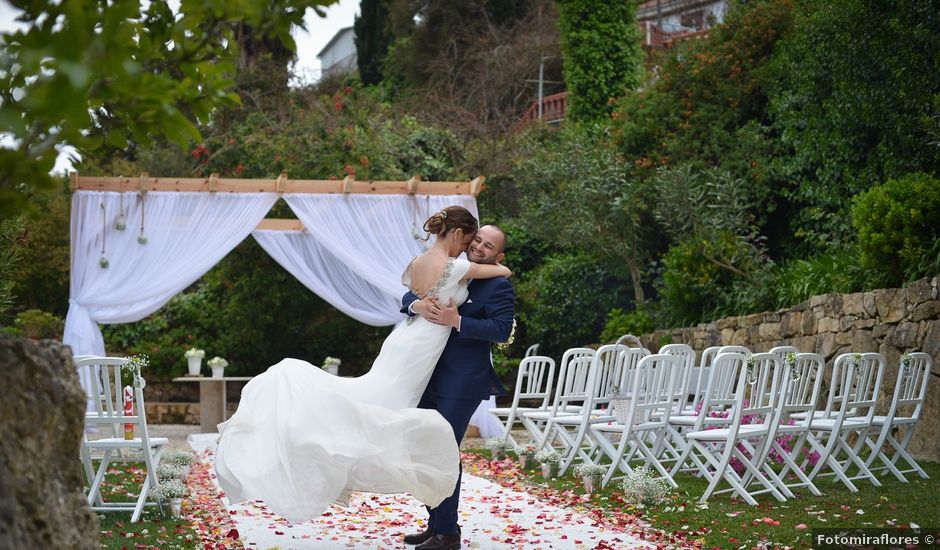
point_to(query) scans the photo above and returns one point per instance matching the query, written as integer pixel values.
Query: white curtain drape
(186, 234)
(302, 255)
(357, 246)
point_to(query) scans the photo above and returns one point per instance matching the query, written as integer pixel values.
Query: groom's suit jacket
(465, 369)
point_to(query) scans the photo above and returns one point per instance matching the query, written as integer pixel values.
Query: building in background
(338, 57)
(663, 22)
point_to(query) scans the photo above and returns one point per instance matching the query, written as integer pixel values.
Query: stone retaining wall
(889, 321)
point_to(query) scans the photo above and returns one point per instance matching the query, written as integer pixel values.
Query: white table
(211, 399)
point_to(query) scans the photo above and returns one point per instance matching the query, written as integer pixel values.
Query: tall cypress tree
(372, 39)
(601, 44)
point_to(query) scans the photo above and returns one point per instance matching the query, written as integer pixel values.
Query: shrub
(618, 323)
(898, 226)
(837, 270)
(564, 302)
(34, 323)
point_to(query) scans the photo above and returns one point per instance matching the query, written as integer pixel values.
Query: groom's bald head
(488, 245)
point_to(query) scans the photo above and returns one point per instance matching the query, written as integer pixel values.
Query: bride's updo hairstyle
(449, 219)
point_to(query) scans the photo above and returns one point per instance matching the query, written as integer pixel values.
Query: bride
(302, 439)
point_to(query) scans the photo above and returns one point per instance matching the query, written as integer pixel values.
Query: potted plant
(498, 447)
(171, 470)
(641, 489)
(194, 358)
(590, 475)
(526, 456)
(217, 364)
(170, 491)
(551, 460)
(331, 365)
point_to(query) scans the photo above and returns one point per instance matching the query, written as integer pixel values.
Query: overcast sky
(309, 42)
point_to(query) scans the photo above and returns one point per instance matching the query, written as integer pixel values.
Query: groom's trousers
(457, 412)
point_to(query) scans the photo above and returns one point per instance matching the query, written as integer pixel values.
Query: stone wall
(42, 504)
(889, 321)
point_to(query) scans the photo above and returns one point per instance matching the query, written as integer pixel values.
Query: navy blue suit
(464, 375)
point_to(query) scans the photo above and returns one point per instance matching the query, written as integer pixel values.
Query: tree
(578, 194)
(854, 97)
(603, 59)
(92, 73)
(372, 39)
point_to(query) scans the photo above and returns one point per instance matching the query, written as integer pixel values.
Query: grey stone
(826, 345)
(828, 324)
(769, 331)
(871, 307)
(926, 310)
(904, 336)
(818, 301)
(891, 304)
(770, 317)
(919, 292)
(863, 342)
(750, 320)
(865, 323)
(847, 322)
(790, 324)
(726, 323)
(882, 330)
(809, 323)
(41, 497)
(853, 304)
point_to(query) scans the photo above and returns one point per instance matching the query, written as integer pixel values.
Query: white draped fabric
(302, 255)
(186, 234)
(356, 248)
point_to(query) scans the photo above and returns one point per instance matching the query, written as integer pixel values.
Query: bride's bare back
(428, 269)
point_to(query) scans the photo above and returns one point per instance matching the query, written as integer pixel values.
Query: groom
(464, 375)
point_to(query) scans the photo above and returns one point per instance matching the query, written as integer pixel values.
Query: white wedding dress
(302, 438)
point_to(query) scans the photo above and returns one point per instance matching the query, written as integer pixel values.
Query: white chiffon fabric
(311, 263)
(371, 236)
(301, 438)
(186, 234)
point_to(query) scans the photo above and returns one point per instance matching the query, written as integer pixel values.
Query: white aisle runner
(491, 517)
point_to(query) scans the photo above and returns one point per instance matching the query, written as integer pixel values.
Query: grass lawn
(207, 523)
(725, 522)
(153, 530)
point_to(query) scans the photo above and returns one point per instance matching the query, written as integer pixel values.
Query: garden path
(492, 517)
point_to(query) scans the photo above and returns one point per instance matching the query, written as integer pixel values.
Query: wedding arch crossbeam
(138, 241)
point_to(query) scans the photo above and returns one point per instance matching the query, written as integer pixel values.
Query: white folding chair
(752, 412)
(798, 402)
(782, 351)
(645, 428)
(533, 383)
(106, 393)
(698, 376)
(532, 350)
(570, 389)
(910, 391)
(569, 431)
(719, 391)
(850, 408)
(686, 356)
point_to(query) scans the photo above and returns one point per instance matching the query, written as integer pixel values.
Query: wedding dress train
(302, 438)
